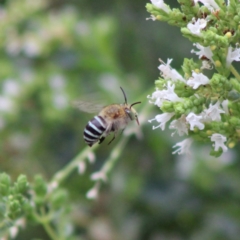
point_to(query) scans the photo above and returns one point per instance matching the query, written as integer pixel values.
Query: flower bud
(231, 144)
(22, 183)
(14, 209)
(40, 186)
(167, 106)
(5, 182)
(58, 198)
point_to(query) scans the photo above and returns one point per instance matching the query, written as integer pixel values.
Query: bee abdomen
(94, 129)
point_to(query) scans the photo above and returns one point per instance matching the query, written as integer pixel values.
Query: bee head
(131, 112)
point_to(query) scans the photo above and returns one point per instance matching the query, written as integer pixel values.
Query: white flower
(57, 82)
(213, 112)
(152, 17)
(93, 192)
(166, 94)
(162, 119)
(194, 121)
(225, 106)
(11, 87)
(20, 223)
(196, 27)
(158, 97)
(197, 79)
(233, 55)
(52, 186)
(170, 94)
(203, 51)
(82, 28)
(180, 125)
(60, 101)
(99, 176)
(169, 73)
(91, 157)
(160, 4)
(206, 65)
(31, 46)
(183, 146)
(219, 140)
(210, 4)
(6, 104)
(81, 167)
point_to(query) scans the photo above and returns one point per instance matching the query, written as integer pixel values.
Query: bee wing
(88, 106)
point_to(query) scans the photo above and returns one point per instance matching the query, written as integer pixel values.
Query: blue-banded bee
(111, 118)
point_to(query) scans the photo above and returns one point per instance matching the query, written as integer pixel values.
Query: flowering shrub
(200, 103)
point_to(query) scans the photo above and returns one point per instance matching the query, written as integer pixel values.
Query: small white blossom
(81, 167)
(169, 73)
(233, 55)
(196, 27)
(167, 94)
(180, 125)
(206, 65)
(99, 176)
(93, 192)
(160, 4)
(11, 87)
(152, 17)
(60, 100)
(57, 82)
(210, 4)
(52, 186)
(13, 231)
(82, 28)
(183, 146)
(213, 112)
(162, 119)
(6, 104)
(20, 223)
(91, 157)
(158, 97)
(194, 121)
(31, 47)
(225, 106)
(197, 79)
(203, 51)
(219, 140)
(170, 94)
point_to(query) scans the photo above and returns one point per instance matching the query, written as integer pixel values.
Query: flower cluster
(201, 104)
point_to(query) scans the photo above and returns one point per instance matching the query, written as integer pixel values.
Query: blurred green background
(54, 52)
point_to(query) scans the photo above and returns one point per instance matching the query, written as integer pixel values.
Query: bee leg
(112, 139)
(101, 140)
(114, 136)
(122, 131)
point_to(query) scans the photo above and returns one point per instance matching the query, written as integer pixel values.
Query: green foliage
(53, 186)
(195, 97)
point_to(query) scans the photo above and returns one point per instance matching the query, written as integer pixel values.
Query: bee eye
(129, 113)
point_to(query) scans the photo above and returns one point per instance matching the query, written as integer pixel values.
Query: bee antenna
(124, 94)
(134, 104)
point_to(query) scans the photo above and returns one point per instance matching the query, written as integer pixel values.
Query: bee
(111, 118)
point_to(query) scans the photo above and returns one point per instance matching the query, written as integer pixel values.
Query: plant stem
(50, 231)
(45, 223)
(115, 153)
(235, 73)
(62, 174)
